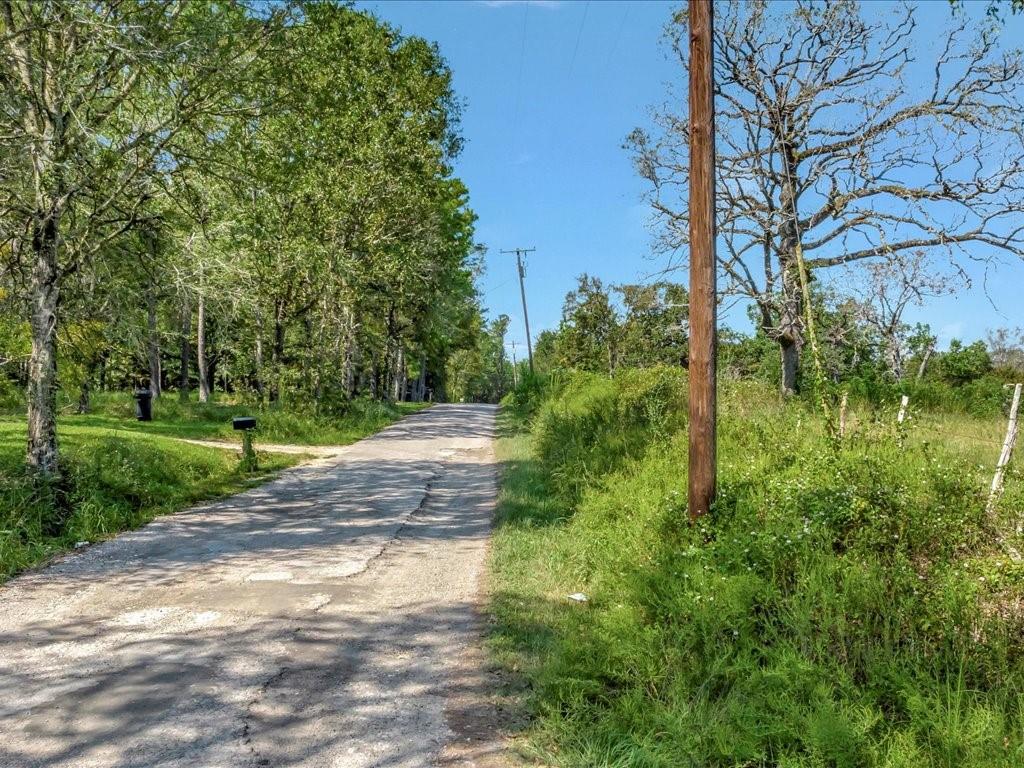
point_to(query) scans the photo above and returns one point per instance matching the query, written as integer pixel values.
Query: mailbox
(144, 405)
(244, 422)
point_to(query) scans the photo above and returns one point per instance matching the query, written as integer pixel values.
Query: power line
(579, 36)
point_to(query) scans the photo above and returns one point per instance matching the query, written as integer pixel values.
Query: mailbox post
(246, 424)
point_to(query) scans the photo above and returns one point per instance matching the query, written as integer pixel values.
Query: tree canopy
(261, 196)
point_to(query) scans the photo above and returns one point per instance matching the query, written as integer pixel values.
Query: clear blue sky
(551, 90)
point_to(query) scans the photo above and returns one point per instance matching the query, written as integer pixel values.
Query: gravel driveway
(327, 618)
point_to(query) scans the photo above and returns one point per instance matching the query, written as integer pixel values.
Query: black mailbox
(244, 422)
(144, 405)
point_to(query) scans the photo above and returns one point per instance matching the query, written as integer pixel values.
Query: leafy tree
(588, 334)
(96, 96)
(655, 324)
(962, 364)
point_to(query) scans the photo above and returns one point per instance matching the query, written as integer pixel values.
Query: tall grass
(841, 607)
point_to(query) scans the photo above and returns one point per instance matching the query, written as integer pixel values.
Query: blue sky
(551, 90)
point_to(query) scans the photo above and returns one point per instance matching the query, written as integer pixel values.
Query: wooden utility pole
(703, 267)
(522, 293)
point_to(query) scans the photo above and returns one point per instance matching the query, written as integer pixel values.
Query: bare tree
(1006, 346)
(839, 143)
(903, 280)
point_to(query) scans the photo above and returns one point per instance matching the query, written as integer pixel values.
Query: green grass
(119, 473)
(212, 421)
(845, 607)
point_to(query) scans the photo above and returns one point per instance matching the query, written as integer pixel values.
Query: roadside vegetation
(240, 207)
(845, 604)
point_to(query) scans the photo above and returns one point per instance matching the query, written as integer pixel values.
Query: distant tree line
(250, 197)
(866, 349)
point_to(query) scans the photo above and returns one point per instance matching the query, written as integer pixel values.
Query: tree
(962, 364)
(900, 281)
(587, 335)
(654, 325)
(95, 96)
(1006, 347)
(829, 155)
(269, 185)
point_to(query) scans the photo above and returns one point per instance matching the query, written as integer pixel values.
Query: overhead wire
(618, 33)
(579, 37)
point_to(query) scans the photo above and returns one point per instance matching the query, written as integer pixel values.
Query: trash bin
(143, 405)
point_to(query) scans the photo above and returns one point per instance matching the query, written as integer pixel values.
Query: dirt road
(328, 618)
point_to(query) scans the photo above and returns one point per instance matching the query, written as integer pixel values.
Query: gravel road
(327, 618)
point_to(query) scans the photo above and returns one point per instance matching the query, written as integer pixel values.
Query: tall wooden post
(522, 294)
(526, 315)
(703, 294)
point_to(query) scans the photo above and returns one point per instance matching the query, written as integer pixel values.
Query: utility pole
(703, 267)
(522, 293)
(515, 367)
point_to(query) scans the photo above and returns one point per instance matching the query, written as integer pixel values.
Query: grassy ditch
(841, 607)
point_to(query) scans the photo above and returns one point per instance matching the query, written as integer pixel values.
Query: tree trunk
(83, 395)
(791, 321)
(42, 376)
(277, 352)
(153, 343)
(421, 385)
(398, 376)
(186, 348)
(103, 370)
(895, 357)
(790, 365)
(258, 357)
(350, 354)
(204, 379)
(924, 363)
(85, 389)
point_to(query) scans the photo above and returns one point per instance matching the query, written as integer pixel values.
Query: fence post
(904, 402)
(842, 415)
(1006, 453)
